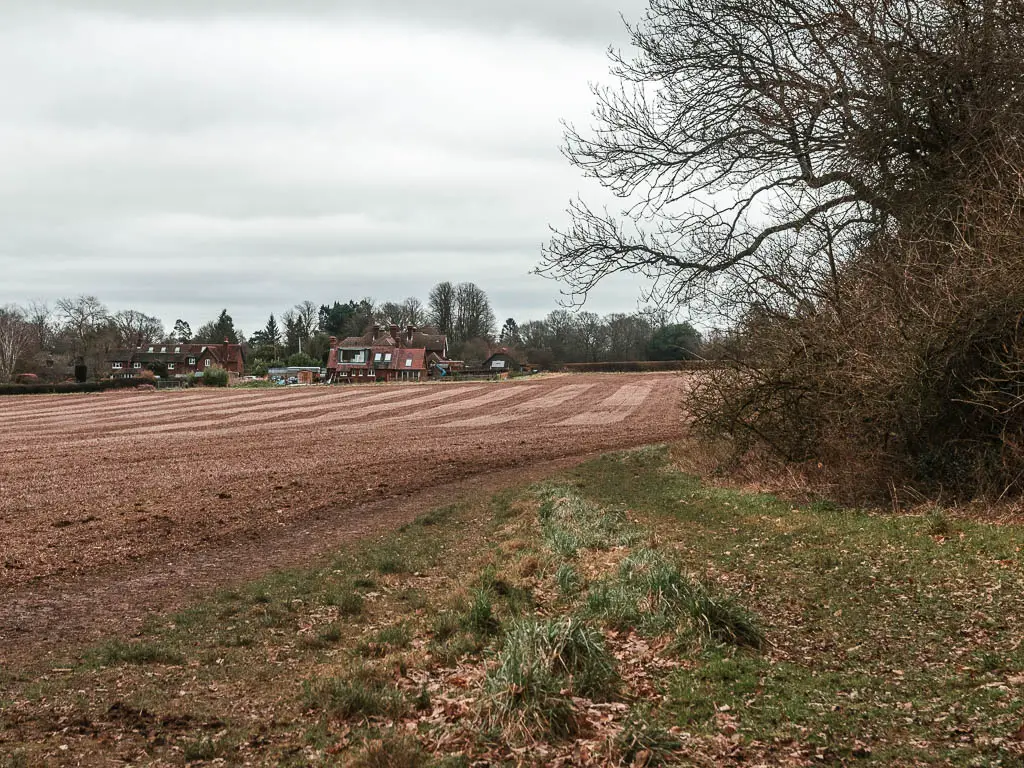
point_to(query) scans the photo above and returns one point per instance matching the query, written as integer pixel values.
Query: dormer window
(163, 350)
(191, 361)
(116, 366)
(177, 350)
(150, 349)
(136, 366)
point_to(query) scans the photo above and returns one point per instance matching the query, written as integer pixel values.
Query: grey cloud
(598, 20)
(177, 159)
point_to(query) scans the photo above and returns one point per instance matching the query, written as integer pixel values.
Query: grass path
(622, 613)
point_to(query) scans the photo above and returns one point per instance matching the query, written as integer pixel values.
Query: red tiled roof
(416, 358)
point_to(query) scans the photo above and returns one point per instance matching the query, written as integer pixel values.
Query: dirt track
(112, 505)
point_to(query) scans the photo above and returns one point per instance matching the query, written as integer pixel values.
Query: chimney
(395, 335)
(333, 341)
(409, 331)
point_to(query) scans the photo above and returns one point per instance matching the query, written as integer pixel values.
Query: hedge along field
(70, 387)
(640, 366)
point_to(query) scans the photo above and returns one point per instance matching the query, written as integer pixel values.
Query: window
(387, 358)
(376, 358)
(116, 366)
(177, 350)
(150, 349)
(170, 366)
(191, 361)
(136, 365)
(497, 363)
(206, 363)
(162, 350)
(408, 362)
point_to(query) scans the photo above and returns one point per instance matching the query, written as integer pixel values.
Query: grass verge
(622, 614)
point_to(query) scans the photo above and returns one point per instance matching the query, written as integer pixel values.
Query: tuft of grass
(386, 640)
(649, 593)
(347, 602)
(363, 692)
(330, 634)
(450, 651)
(479, 618)
(723, 620)
(570, 523)
(568, 580)
(327, 636)
(937, 523)
(615, 604)
(445, 625)
(643, 742)
(539, 664)
(436, 516)
(394, 750)
(117, 652)
(237, 640)
(388, 560)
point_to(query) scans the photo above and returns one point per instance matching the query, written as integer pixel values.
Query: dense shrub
(215, 376)
(915, 386)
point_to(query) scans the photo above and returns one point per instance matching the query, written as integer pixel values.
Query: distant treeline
(49, 341)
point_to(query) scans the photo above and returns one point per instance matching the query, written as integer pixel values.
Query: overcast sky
(180, 156)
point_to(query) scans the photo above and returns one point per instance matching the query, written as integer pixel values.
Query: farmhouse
(502, 361)
(389, 353)
(173, 360)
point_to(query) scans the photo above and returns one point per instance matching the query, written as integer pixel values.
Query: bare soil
(118, 504)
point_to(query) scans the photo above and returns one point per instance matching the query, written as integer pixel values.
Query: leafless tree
(307, 314)
(81, 316)
(85, 324)
(441, 307)
(757, 143)
(474, 318)
(137, 329)
(413, 312)
(39, 314)
(16, 337)
(841, 179)
(407, 312)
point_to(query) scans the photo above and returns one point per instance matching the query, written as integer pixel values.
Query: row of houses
(383, 353)
(391, 353)
(176, 361)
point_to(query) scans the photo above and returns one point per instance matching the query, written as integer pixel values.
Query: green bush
(215, 376)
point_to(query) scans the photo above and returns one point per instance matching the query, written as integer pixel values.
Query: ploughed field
(89, 483)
